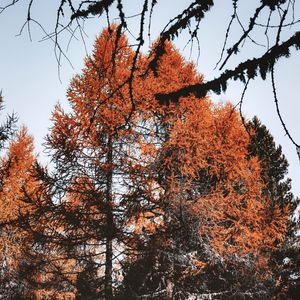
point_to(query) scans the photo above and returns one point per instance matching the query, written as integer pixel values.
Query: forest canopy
(145, 200)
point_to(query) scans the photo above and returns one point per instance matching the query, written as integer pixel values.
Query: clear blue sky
(31, 86)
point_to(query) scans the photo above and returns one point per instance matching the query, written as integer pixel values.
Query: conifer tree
(88, 146)
(273, 163)
(170, 191)
(15, 241)
(8, 127)
(210, 203)
(287, 265)
(285, 260)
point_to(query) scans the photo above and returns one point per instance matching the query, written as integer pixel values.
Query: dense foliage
(143, 200)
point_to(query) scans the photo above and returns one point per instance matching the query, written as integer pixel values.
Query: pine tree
(278, 187)
(273, 163)
(285, 261)
(7, 129)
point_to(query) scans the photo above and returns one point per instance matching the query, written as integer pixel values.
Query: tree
(211, 211)
(152, 184)
(273, 162)
(17, 176)
(285, 260)
(171, 191)
(88, 147)
(276, 19)
(8, 128)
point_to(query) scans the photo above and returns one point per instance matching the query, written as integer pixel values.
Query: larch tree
(207, 193)
(88, 146)
(212, 204)
(101, 151)
(17, 176)
(152, 181)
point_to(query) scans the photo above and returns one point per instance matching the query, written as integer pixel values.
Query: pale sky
(31, 86)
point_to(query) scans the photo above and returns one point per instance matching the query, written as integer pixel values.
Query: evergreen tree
(285, 261)
(287, 267)
(274, 164)
(8, 127)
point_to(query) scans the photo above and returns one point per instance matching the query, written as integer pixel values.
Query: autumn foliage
(17, 169)
(169, 191)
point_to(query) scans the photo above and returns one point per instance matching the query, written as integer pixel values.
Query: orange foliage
(234, 214)
(98, 95)
(192, 151)
(195, 137)
(17, 178)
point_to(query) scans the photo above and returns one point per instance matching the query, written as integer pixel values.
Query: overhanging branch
(245, 70)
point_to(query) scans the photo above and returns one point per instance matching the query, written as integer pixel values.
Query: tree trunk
(170, 288)
(108, 270)
(170, 278)
(110, 224)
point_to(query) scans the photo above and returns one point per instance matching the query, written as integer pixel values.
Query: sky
(32, 83)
